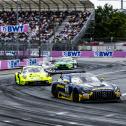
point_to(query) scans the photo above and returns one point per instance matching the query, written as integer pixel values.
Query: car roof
(32, 66)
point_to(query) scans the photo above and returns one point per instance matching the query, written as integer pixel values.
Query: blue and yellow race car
(79, 87)
(33, 75)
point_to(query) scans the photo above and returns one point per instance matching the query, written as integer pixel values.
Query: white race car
(47, 65)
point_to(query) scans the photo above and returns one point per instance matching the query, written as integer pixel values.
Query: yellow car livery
(32, 75)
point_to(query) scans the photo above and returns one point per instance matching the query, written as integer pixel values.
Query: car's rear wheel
(21, 84)
(54, 91)
(75, 96)
(16, 80)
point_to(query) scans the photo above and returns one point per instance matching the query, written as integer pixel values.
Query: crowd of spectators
(38, 21)
(76, 21)
(42, 24)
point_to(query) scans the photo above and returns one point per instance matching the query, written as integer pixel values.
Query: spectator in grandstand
(42, 24)
(76, 20)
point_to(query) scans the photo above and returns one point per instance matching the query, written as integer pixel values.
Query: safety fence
(17, 63)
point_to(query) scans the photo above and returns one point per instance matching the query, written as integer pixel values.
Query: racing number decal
(66, 89)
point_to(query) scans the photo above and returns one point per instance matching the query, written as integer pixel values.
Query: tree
(109, 22)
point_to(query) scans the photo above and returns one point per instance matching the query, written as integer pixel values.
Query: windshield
(84, 79)
(64, 60)
(33, 69)
(92, 79)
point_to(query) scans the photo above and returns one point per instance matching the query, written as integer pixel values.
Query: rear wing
(65, 71)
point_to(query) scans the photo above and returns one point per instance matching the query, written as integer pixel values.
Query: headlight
(69, 64)
(24, 76)
(117, 89)
(56, 65)
(47, 75)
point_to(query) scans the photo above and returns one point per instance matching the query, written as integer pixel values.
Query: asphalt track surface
(35, 106)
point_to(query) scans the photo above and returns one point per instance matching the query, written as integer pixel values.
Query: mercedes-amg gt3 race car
(32, 75)
(79, 87)
(65, 63)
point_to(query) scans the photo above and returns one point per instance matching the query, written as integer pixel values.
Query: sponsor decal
(14, 28)
(104, 94)
(60, 86)
(13, 63)
(46, 53)
(34, 53)
(32, 61)
(103, 54)
(72, 53)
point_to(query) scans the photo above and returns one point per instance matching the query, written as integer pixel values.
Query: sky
(116, 3)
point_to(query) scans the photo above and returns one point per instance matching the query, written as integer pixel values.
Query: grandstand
(44, 5)
(56, 24)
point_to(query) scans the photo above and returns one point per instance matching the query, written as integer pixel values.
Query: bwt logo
(14, 63)
(32, 61)
(107, 54)
(13, 28)
(72, 53)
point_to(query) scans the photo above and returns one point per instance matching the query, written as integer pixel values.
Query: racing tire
(15, 80)
(54, 91)
(118, 100)
(75, 96)
(19, 81)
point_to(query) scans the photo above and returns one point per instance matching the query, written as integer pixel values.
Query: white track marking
(62, 113)
(110, 115)
(73, 123)
(7, 121)
(124, 94)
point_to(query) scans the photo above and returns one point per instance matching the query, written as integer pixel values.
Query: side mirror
(66, 81)
(19, 72)
(49, 74)
(102, 79)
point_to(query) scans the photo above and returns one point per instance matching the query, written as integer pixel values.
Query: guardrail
(17, 63)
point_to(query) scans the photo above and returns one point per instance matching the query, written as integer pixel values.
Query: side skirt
(62, 95)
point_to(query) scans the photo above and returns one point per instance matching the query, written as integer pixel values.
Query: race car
(48, 66)
(33, 75)
(65, 63)
(79, 87)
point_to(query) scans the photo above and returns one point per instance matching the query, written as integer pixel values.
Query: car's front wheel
(54, 91)
(118, 100)
(16, 80)
(75, 96)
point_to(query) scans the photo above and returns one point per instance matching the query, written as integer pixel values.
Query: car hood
(63, 62)
(97, 85)
(37, 74)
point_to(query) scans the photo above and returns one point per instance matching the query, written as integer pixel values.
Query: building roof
(45, 5)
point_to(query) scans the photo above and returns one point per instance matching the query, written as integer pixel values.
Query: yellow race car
(32, 75)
